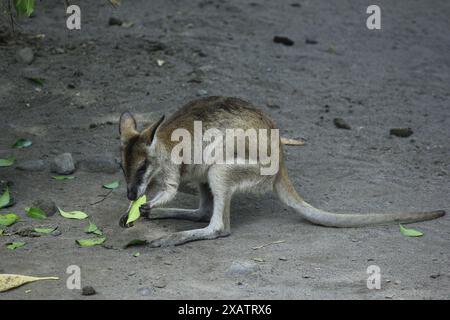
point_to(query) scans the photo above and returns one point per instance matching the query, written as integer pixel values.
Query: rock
(146, 291)
(88, 291)
(47, 205)
(401, 132)
(32, 165)
(115, 22)
(283, 40)
(103, 163)
(242, 268)
(160, 284)
(63, 164)
(341, 124)
(25, 55)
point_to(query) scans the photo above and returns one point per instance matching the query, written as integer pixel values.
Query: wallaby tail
(287, 194)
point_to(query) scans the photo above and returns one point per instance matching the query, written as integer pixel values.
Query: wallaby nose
(131, 194)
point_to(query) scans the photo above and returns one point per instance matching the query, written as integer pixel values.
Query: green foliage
(24, 7)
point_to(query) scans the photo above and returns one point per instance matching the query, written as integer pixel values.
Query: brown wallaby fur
(146, 159)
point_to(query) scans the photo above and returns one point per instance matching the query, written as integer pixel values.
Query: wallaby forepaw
(144, 210)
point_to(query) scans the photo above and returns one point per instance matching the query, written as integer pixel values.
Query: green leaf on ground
(134, 213)
(45, 230)
(92, 228)
(410, 232)
(22, 143)
(36, 213)
(15, 245)
(7, 162)
(36, 80)
(5, 198)
(136, 254)
(79, 215)
(24, 7)
(59, 178)
(8, 219)
(136, 242)
(112, 185)
(90, 242)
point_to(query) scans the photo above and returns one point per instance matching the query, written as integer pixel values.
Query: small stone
(283, 40)
(283, 259)
(25, 55)
(242, 268)
(341, 124)
(102, 163)
(435, 276)
(63, 164)
(31, 165)
(115, 21)
(146, 291)
(160, 284)
(88, 291)
(71, 86)
(401, 132)
(202, 92)
(47, 205)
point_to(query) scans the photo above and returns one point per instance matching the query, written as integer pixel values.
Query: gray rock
(25, 55)
(242, 268)
(63, 164)
(105, 164)
(32, 165)
(48, 205)
(88, 291)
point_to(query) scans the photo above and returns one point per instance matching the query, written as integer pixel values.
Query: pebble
(115, 21)
(401, 132)
(202, 92)
(63, 164)
(283, 40)
(341, 124)
(25, 55)
(88, 291)
(31, 165)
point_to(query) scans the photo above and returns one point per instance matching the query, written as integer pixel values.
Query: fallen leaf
(22, 143)
(45, 230)
(15, 245)
(79, 215)
(27, 291)
(136, 254)
(268, 244)
(36, 213)
(8, 219)
(292, 142)
(5, 198)
(257, 259)
(115, 3)
(92, 228)
(160, 62)
(112, 185)
(136, 242)
(90, 242)
(127, 24)
(7, 162)
(11, 281)
(134, 213)
(63, 177)
(410, 232)
(38, 81)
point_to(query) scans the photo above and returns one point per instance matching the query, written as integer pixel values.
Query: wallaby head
(138, 151)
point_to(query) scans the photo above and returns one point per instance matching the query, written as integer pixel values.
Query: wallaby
(146, 159)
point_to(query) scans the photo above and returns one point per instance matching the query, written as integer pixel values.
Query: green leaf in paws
(15, 245)
(22, 143)
(8, 219)
(59, 178)
(134, 213)
(410, 232)
(79, 215)
(112, 185)
(7, 162)
(5, 198)
(36, 213)
(90, 242)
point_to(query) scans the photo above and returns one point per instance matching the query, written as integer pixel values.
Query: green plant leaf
(24, 7)
(136, 254)
(410, 232)
(59, 178)
(79, 215)
(112, 185)
(36, 213)
(134, 213)
(1, 232)
(92, 228)
(22, 143)
(136, 242)
(90, 242)
(7, 162)
(15, 245)
(45, 230)
(8, 219)
(5, 198)
(38, 81)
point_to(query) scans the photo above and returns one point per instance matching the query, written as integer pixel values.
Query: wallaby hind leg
(203, 213)
(219, 226)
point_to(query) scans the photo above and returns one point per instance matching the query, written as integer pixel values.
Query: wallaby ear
(127, 124)
(148, 135)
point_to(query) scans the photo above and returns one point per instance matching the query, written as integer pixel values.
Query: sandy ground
(376, 80)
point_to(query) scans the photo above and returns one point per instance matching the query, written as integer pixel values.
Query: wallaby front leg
(160, 199)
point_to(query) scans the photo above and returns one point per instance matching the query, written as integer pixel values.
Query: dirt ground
(375, 80)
